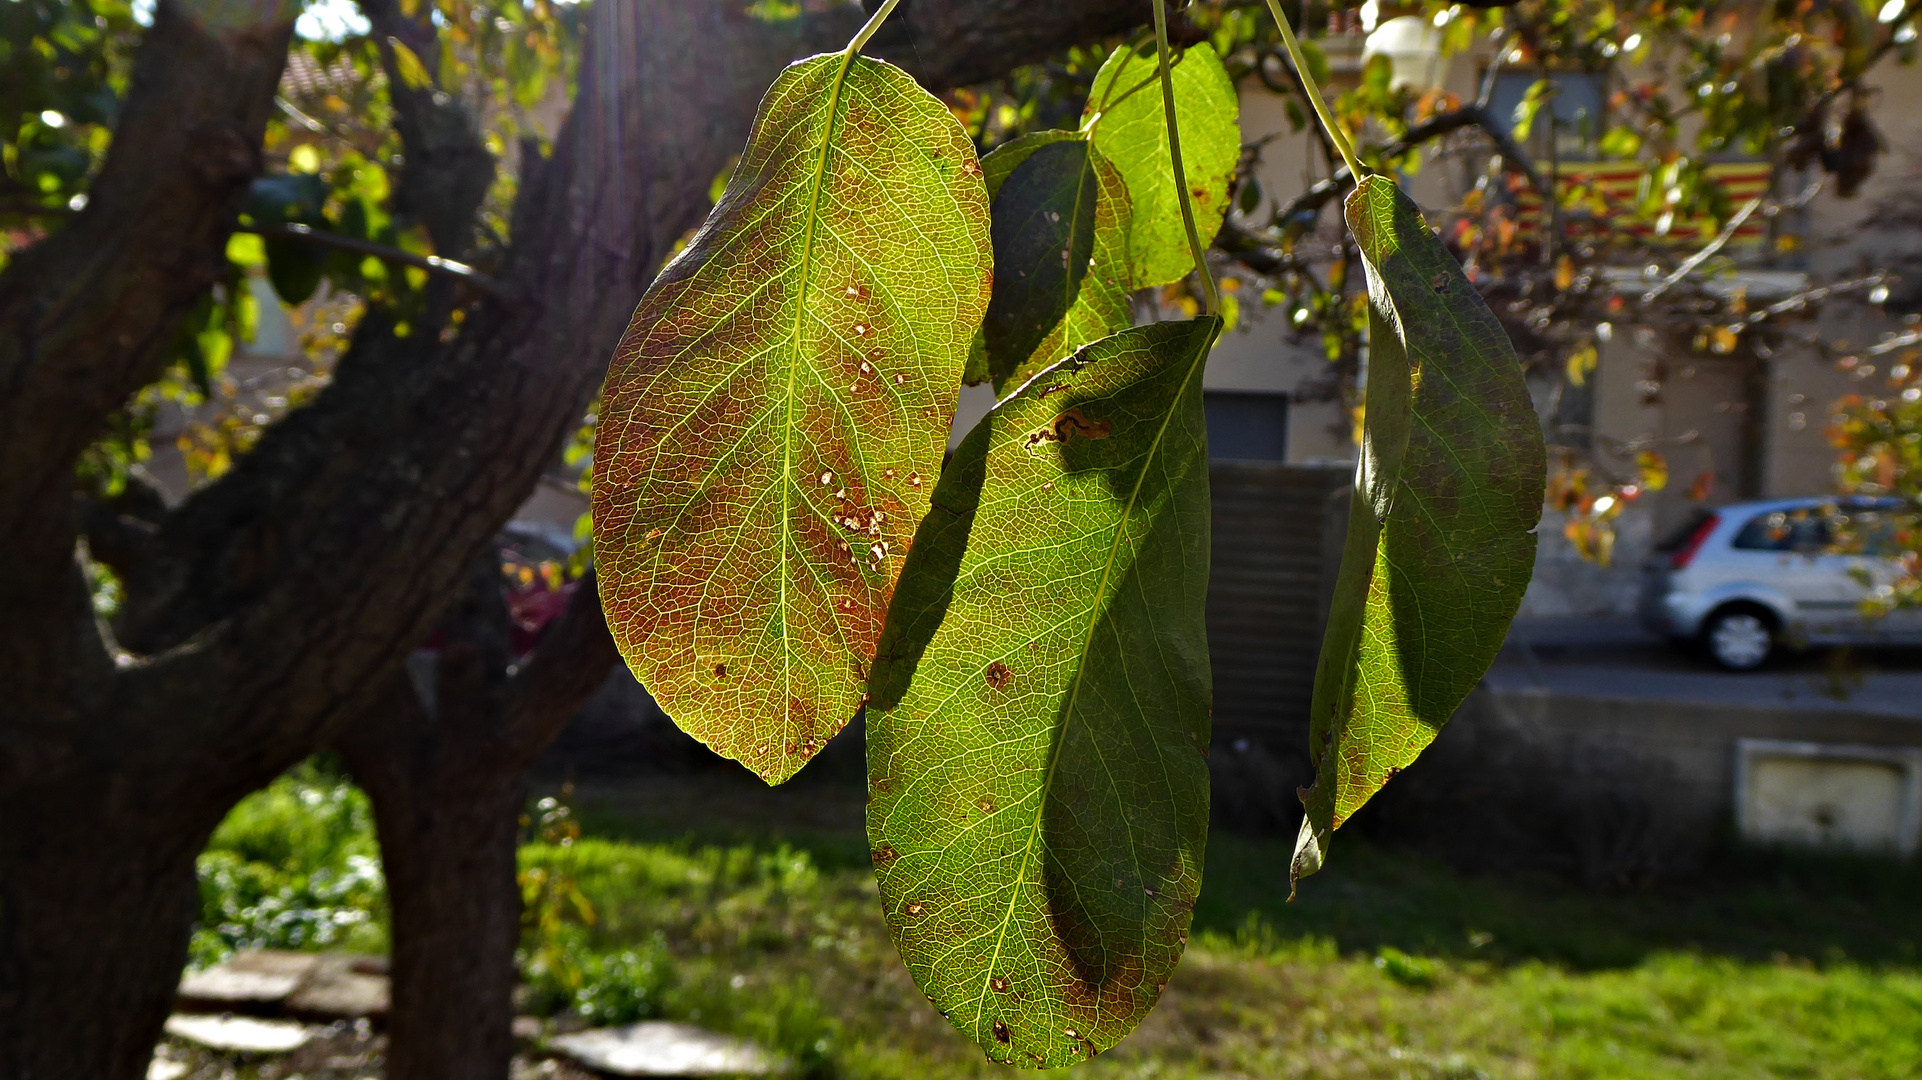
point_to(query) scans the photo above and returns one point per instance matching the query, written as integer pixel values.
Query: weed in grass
(293, 866)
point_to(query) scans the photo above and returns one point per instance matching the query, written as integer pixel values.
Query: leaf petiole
(861, 36)
(1211, 295)
(1335, 132)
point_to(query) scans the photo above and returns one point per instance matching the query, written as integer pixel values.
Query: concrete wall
(1612, 791)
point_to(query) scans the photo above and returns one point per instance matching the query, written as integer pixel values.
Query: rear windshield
(1675, 540)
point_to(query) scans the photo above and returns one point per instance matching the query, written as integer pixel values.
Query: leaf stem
(1211, 295)
(1335, 132)
(873, 24)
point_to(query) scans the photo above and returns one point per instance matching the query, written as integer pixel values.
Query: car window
(1870, 532)
(1805, 529)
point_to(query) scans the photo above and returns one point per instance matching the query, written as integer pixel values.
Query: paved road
(1615, 658)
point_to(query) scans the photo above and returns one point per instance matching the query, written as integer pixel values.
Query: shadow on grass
(1746, 904)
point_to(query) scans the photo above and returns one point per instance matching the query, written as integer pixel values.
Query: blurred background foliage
(1685, 83)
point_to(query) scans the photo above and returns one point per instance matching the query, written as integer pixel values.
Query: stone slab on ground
(239, 1034)
(320, 987)
(664, 1048)
(340, 987)
(254, 982)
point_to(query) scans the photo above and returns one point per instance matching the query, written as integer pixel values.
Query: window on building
(1579, 107)
(1247, 426)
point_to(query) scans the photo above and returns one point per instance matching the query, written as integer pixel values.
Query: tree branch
(570, 663)
(281, 590)
(86, 314)
(448, 169)
(433, 264)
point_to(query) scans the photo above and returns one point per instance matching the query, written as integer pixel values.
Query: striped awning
(1598, 198)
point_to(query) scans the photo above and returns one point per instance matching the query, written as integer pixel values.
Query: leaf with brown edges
(774, 419)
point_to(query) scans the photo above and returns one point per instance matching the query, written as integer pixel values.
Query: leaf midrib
(1074, 687)
(809, 230)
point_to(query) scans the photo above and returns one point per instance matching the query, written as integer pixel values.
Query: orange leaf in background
(1704, 483)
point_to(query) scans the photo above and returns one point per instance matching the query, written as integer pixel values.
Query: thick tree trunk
(445, 764)
(85, 988)
(448, 830)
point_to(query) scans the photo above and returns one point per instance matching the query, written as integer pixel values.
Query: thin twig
(1688, 265)
(1210, 294)
(1899, 341)
(433, 264)
(1804, 299)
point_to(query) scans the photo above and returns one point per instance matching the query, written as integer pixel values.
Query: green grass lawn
(753, 912)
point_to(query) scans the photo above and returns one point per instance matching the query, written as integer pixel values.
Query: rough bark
(278, 603)
(446, 772)
(86, 315)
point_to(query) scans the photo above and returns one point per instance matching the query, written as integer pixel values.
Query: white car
(1750, 578)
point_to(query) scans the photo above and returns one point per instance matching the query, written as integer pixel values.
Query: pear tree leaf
(1139, 241)
(1004, 159)
(775, 417)
(1441, 539)
(1038, 794)
(995, 169)
(1124, 115)
(1101, 306)
(1043, 233)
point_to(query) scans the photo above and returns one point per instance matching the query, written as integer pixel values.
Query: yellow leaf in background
(246, 249)
(1581, 362)
(1721, 340)
(1564, 273)
(304, 159)
(1654, 469)
(412, 71)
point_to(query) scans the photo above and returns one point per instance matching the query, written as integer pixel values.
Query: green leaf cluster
(1084, 218)
(781, 543)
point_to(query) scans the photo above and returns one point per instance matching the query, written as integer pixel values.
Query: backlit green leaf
(1440, 532)
(775, 418)
(1043, 231)
(1125, 116)
(1039, 799)
(1139, 241)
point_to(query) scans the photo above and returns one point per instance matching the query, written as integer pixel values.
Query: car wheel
(1738, 639)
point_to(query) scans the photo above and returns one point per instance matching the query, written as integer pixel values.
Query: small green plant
(1407, 970)
(293, 866)
(549, 894)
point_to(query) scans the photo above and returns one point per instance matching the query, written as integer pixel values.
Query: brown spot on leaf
(720, 671)
(999, 676)
(998, 984)
(971, 167)
(985, 804)
(1000, 1031)
(916, 907)
(885, 855)
(1068, 425)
